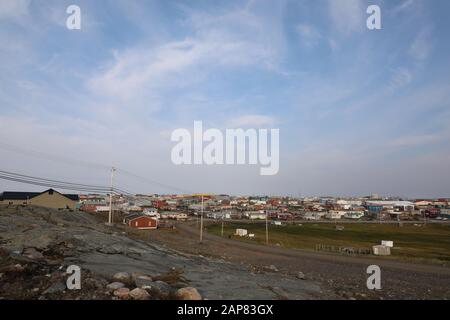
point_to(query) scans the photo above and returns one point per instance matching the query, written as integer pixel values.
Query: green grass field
(430, 242)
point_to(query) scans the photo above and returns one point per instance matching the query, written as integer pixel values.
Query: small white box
(387, 243)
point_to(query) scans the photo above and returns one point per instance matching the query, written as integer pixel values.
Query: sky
(359, 111)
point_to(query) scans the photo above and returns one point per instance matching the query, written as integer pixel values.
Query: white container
(381, 250)
(387, 243)
(241, 232)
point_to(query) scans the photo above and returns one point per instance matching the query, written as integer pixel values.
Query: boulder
(145, 282)
(115, 285)
(135, 275)
(301, 275)
(162, 287)
(33, 254)
(139, 294)
(273, 268)
(122, 293)
(57, 287)
(188, 293)
(122, 276)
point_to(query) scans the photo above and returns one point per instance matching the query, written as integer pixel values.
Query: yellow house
(48, 199)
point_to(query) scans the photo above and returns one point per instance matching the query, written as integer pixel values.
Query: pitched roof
(17, 195)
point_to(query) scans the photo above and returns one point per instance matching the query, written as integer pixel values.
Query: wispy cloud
(309, 35)
(14, 9)
(347, 16)
(252, 121)
(421, 46)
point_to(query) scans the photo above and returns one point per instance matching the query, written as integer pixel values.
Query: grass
(430, 242)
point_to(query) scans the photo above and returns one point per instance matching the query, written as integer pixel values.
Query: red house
(158, 204)
(141, 222)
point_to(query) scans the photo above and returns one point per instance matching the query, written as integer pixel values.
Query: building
(152, 212)
(173, 215)
(47, 199)
(335, 214)
(141, 222)
(255, 215)
(354, 214)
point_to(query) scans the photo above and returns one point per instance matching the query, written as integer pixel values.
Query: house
(354, 214)
(445, 213)
(173, 215)
(312, 216)
(255, 215)
(335, 214)
(141, 222)
(48, 199)
(219, 215)
(151, 212)
(396, 205)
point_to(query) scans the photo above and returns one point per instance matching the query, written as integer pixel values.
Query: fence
(343, 250)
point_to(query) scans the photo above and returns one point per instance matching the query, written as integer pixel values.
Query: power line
(52, 157)
(16, 177)
(153, 182)
(50, 180)
(88, 164)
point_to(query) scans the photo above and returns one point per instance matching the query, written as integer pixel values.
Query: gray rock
(33, 254)
(122, 276)
(145, 282)
(188, 293)
(301, 275)
(273, 268)
(139, 294)
(57, 287)
(115, 285)
(162, 287)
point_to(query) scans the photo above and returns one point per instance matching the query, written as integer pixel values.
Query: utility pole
(201, 223)
(222, 227)
(267, 230)
(110, 195)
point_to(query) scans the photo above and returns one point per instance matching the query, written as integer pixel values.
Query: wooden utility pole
(267, 230)
(110, 195)
(201, 223)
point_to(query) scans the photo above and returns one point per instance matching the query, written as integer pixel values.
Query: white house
(354, 214)
(255, 215)
(335, 214)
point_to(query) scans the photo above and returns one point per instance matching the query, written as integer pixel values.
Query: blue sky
(359, 111)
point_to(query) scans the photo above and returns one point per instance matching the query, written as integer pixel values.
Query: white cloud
(405, 5)
(421, 47)
(347, 16)
(253, 120)
(234, 39)
(415, 140)
(400, 78)
(13, 9)
(310, 36)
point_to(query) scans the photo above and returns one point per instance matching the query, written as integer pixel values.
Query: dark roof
(13, 195)
(17, 195)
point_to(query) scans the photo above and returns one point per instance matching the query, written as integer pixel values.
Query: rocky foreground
(37, 246)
